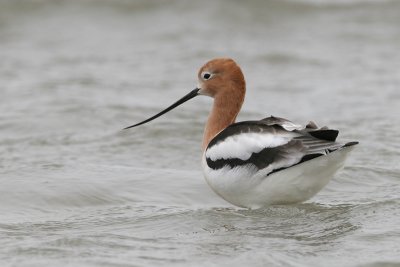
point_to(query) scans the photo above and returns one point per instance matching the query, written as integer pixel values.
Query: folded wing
(271, 144)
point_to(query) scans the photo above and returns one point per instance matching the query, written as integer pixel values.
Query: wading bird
(258, 163)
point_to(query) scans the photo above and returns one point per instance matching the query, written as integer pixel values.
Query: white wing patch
(290, 126)
(243, 145)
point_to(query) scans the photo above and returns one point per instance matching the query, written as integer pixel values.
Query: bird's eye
(206, 75)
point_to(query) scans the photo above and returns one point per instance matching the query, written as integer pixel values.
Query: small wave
(285, 58)
(338, 3)
(381, 264)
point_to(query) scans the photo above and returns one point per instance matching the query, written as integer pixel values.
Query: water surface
(77, 191)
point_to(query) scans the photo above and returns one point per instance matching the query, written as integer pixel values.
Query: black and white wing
(271, 144)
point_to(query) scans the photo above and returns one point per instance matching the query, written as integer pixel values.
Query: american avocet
(258, 163)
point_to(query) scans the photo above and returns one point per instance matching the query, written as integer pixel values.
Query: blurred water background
(75, 190)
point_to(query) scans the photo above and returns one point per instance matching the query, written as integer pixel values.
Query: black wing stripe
(293, 150)
(260, 160)
(303, 159)
(328, 135)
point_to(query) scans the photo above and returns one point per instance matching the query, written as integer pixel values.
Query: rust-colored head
(221, 77)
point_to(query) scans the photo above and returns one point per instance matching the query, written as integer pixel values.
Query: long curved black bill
(187, 97)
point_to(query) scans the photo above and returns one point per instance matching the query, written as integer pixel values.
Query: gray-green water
(77, 191)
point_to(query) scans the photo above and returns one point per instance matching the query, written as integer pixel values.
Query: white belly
(244, 187)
